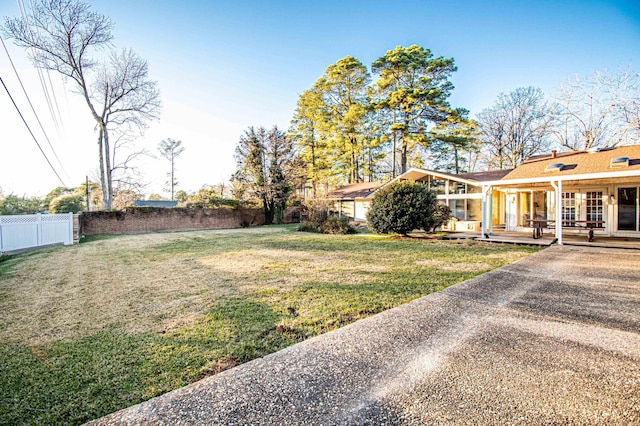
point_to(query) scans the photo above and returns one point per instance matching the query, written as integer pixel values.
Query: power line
(31, 133)
(43, 82)
(30, 104)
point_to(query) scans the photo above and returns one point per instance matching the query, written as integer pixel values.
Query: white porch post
(487, 225)
(483, 226)
(532, 214)
(490, 216)
(558, 190)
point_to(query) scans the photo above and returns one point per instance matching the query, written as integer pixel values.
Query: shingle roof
(485, 176)
(355, 190)
(577, 163)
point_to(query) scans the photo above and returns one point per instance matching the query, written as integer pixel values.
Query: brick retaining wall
(152, 219)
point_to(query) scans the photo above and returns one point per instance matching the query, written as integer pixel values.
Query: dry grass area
(75, 291)
(91, 328)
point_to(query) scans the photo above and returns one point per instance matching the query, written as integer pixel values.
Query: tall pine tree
(267, 169)
(413, 88)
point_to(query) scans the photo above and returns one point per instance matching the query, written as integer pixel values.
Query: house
(568, 192)
(353, 200)
(461, 192)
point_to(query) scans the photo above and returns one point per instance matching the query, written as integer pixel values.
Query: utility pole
(87, 191)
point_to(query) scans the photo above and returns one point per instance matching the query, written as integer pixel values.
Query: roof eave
(556, 178)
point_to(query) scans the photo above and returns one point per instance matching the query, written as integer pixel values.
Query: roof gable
(471, 178)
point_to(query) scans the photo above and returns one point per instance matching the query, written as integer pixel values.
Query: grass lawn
(89, 329)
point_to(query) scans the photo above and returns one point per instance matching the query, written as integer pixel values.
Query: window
(474, 209)
(555, 167)
(594, 208)
(457, 209)
(457, 187)
(568, 208)
(620, 162)
(437, 185)
(473, 189)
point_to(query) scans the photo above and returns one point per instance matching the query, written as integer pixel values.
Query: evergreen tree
(413, 88)
(343, 89)
(453, 145)
(170, 149)
(267, 169)
(308, 132)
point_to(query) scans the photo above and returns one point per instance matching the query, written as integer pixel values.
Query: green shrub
(402, 207)
(337, 225)
(441, 215)
(322, 222)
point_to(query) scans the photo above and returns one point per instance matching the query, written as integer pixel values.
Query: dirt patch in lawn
(285, 269)
(462, 267)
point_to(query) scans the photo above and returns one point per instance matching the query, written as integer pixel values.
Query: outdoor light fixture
(612, 199)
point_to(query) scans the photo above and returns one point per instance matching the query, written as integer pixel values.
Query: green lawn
(93, 328)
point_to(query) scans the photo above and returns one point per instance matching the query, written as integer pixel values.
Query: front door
(628, 209)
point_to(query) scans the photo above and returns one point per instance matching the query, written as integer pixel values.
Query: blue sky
(224, 66)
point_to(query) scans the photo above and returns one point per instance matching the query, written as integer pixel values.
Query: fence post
(39, 228)
(70, 235)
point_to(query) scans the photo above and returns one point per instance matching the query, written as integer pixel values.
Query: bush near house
(404, 206)
(441, 215)
(322, 222)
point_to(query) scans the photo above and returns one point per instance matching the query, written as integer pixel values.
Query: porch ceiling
(532, 186)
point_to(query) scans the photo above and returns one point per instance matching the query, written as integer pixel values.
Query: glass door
(627, 209)
(568, 208)
(595, 209)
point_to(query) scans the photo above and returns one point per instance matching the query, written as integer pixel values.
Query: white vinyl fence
(26, 231)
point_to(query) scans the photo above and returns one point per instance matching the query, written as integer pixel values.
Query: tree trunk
(403, 153)
(455, 155)
(172, 174)
(314, 178)
(101, 166)
(107, 156)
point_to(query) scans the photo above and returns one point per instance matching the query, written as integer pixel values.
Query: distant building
(155, 203)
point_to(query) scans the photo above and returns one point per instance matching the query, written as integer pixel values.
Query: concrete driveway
(551, 339)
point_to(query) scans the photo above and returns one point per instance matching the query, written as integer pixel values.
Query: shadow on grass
(76, 381)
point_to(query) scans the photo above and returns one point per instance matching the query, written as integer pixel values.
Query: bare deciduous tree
(61, 35)
(516, 127)
(598, 111)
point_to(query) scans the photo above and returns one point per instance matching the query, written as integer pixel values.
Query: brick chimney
(554, 153)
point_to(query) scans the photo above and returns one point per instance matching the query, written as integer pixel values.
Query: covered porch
(549, 239)
(602, 205)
